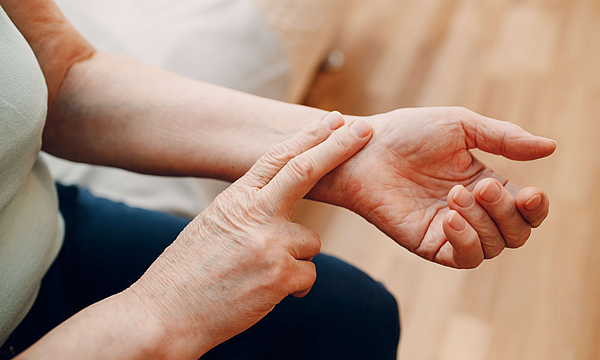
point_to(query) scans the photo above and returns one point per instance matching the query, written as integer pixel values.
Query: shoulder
(54, 41)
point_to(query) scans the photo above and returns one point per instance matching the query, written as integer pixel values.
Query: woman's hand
(418, 182)
(242, 255)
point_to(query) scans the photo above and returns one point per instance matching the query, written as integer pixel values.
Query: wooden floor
(535, 63)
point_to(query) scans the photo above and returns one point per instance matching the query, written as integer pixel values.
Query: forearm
(110, 110)
(114, 328)
(114, 111)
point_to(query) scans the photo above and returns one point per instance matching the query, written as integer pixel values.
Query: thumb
(504, 138)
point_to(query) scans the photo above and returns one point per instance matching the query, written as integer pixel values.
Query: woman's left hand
(418, 182)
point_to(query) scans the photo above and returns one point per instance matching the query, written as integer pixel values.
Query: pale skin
(415, 180)
(227, 269)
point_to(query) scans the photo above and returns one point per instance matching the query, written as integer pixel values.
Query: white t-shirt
(31, 228)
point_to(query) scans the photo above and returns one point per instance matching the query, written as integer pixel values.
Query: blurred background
(535, 63)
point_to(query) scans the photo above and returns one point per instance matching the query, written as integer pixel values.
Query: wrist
(144, 328)
(276, 122)
(332, 188)
(116, 327)
(158, 336)
(179, 333)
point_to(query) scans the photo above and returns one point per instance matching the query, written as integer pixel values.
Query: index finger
(275, 159)
(302, 172)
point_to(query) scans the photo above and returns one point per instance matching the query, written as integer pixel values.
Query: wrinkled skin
(402, 179)
(242, 255)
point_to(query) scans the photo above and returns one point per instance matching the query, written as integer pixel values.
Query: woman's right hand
(242, 255)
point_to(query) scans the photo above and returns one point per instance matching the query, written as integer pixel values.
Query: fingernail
(533, 203)
(491, 192)
(549, 140)
(462, 197)
(456, 222)
(333, 120)
(360, 128)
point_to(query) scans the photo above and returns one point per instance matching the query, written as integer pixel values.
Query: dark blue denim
(109, 245)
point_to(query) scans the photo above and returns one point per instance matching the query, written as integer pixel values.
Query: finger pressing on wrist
(278, 156)
(302, 172)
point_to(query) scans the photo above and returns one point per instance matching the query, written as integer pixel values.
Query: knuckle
(461, 109)
(256, 172)
(232, 201)
(312, 134)
(312, 243)
(493, 250)
(259, 209)
(479, 218)
(239, 211)
(519, 239)
(279, 270)
(270, 204)
(505, 212)
(306, 277)
(302, 167)
(312, 273)
(253, 208)
(280, 153)
(463, 112)
(259, 245)
(344, 144)
(316, 241)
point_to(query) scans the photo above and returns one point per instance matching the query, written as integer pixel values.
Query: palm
(401, 179)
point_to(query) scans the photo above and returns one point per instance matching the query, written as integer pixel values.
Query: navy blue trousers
(109, 245)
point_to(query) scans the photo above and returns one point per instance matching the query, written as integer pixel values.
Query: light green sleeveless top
(31, 228)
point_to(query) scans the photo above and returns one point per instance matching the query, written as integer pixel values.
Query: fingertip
(452, 193)
(450, 214)
(533, 204)
(546, 147)
(530, 198)
(451, 199)
(334, 120)
(301, 172)
(488, 190)
(455, 221)
(460, 197)
(466, 247)
(482, 184)
(360, 128)
(551, 143)
(455, 227)
(522, 145)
